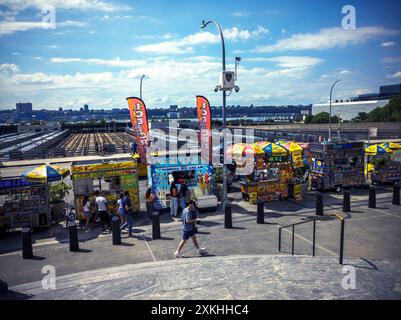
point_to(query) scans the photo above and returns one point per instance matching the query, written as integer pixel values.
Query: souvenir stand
(336, 165)
(198, 178)
(112, 176)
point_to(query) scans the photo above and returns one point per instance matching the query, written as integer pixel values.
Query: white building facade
(348, 110)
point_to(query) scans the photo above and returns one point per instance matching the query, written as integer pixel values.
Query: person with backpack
(188, 231)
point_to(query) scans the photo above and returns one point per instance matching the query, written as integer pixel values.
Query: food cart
(336, 165)
(380, 168)
(198, 178)
(112, 176)
(23, 204)
(273, 176)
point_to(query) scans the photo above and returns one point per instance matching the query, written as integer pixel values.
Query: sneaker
(178, 254)
(201, 250)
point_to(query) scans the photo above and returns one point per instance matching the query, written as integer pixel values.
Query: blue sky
(291, 51)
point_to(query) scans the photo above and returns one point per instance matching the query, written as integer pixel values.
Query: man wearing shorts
(188, 230)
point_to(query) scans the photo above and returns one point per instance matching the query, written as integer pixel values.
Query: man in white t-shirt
(102, 210)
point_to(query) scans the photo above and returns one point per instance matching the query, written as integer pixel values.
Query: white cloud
(388, 44)
(240, 13)
(98, 5)
(116, 62)
(185, 45)
(8, 68)
(10, 27)
(70, 23)
(327, 39)
(391, 59)
(290, 61)
(395, 75)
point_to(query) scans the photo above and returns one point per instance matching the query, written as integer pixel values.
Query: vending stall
(336, 165)
(111, 176)
(23, 204)
(197, 176)
(273, 176)
(380, 167)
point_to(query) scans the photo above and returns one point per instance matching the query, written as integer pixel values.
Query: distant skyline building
(24, 107)
(86, 108)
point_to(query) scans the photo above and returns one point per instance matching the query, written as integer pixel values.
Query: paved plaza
(142, 268)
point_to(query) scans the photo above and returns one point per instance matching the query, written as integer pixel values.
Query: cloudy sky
(291, 51)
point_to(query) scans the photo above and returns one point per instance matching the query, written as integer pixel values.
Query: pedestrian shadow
(209, 224)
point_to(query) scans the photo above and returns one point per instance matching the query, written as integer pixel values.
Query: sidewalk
(218, 278)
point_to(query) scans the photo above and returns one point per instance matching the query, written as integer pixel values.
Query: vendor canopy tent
(243, 149)
(391, 145)
(272, 149)
(376, 149)
(46, 173)
(291, 146)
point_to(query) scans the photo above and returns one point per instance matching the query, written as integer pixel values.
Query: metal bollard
(372, 198)
(115, 226)
(228, 221)
(396, 195)
(27, 251)
(73, 231)
(156, 226)
(260, 215)
(319, 205)
(347, 202)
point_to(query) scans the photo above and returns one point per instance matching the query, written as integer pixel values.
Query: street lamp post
(224, 196)
(140, 87)
(331, 94)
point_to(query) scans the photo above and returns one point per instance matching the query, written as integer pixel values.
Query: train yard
(80, 144)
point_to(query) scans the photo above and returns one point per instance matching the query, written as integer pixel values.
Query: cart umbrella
(243, 149)
(391, 145)
(272, 149)
(376, 149)
(292, 147)
(46, 173)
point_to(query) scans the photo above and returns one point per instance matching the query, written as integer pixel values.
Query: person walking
(149, 200)
(173, 199)
(128, 214)
(188, 230)
(183, 195)
(120, 208)
(102, 210)
(86, 208)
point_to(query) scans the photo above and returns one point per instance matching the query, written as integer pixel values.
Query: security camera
(236, 88)
(238, 59)
(216, 88)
